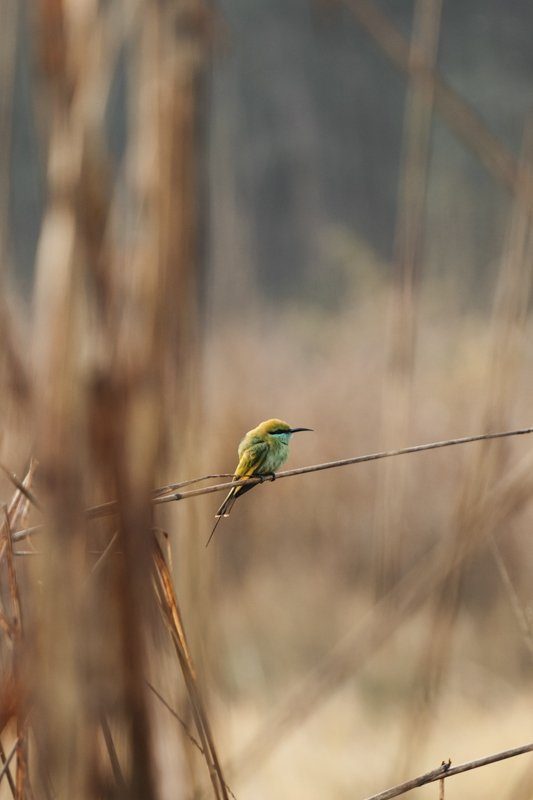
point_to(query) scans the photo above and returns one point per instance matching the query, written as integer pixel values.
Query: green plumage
(260, 453)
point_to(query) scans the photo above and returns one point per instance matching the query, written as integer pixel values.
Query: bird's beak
(295, 430)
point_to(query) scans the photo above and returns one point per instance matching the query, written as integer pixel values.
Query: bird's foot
(267, 476)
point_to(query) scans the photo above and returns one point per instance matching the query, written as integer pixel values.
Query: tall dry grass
(96, 386)
(134, 663)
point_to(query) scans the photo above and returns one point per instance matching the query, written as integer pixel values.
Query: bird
(262, 451)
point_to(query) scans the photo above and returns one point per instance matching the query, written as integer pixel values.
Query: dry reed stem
(20, 486)
(6, 625)
(23, 786)
(107, 315)
(171, 615)
(74, 252)
(16, 627)
(8, 40)
(113, 757)
(177, 717)
(99, 563)
(517, 607)
(389, 511)
(25, 533)
(12, 514)
(17, 509)
(8, 774)
(220, 487)
(110, 507)
(12, 578)
(463, 120)
(446, 771)
(21, 781)
(173, 486)
(8, 759)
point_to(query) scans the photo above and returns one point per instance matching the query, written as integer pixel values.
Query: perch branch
(171, 486)
(446, 771)
(110, 507)
(220, 487)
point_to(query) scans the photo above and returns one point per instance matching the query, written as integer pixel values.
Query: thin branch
(186, 730)
(176, 716)
(100, 561)
(6, 763)
(20, 486)
(8, 771)
(110, 507)
(23, 534)
(12, 579)
(113, 757)
(18, 506)
(169, 607)
(516, 606)
(21, 778)
(220, 487)
(446, 771)
(173, 486)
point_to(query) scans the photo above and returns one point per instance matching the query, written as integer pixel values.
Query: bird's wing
(252, 460)
(251, 463)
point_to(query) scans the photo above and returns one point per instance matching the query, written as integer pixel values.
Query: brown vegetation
(347, 628)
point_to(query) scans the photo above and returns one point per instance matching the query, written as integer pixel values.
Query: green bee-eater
(261, 453)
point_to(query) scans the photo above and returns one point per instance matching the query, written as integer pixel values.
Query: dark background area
(305, 130)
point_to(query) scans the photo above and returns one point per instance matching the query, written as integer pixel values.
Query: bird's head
(279, 429)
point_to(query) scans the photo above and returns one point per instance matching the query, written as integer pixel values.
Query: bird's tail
(224, 510)
(227, 505)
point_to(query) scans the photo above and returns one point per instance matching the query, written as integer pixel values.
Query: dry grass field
(346, 629)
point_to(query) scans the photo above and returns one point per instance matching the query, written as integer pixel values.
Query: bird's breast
(278, 455)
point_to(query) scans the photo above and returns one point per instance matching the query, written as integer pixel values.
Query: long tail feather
(214, 529)
(227, 505)
(223, 511)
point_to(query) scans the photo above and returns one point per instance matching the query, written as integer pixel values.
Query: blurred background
(315, 210)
